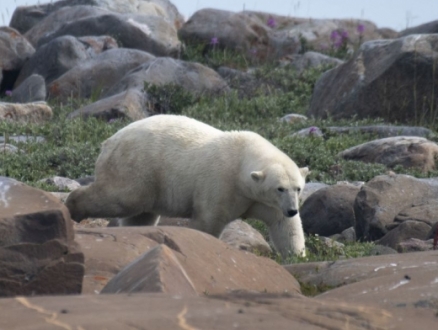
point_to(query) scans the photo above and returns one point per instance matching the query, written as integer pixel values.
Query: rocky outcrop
(37, 252)
(389, 79)
(97, 75)
(406, 151)
(174, 260)
(381, 199)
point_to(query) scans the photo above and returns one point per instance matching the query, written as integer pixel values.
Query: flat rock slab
(160, 311)
(209, 265)
(407, 286)
(37, 112)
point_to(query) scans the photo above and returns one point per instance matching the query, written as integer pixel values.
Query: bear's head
(280, 187)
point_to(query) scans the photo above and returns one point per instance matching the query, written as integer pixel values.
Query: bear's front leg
(287, 235)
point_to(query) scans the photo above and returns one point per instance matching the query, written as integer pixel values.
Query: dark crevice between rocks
(8, 81)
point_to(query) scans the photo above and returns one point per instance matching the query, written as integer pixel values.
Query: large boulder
(161, 311)
(97, 75)
(15, 50)
(406, 151)
(169, 259)
(244, 32)
(390, 79)
(54, 59)
(404, 285)
(329, 210)
(380, 200)
(426, 28)
(57, 18)
(26, 17)
(131, 104)
(32, 89)
(38, 254)
(425, 211)
(152, 34)
(403, 232)
(193, 77)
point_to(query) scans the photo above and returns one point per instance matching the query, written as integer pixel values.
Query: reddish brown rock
(405, 285)
(244, 237)
(208, 264)
(160, 311)
(37, 251)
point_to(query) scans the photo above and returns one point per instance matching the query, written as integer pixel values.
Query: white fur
(179, 167)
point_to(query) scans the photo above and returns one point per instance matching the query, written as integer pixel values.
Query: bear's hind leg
(142, 219)
(96, 201)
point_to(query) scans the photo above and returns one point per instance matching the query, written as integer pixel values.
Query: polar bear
(176, 166)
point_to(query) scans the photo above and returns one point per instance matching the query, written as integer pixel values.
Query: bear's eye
(298, 189)
(281, 189)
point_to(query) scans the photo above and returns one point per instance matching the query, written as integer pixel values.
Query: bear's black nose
(291, 212)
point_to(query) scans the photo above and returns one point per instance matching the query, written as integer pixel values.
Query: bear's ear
(304, 172)
(257, 176)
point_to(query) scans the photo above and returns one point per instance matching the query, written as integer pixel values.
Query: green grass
(72, 146)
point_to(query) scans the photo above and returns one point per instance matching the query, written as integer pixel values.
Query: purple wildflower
(361, 28)
(344, 34)
(334, 35)
(8, 93)
(313, 129)
(214, 41)
(271, 22)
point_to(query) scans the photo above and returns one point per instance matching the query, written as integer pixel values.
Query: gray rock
(244, 237)
(309, 132)
(426, 28)
(379, 250)
(293, 118)
(329, 210)
(131, 104)
(245, 32)
(310, 188)
(15, 50)
(424, 212)
(433, 233)
(348, 235)
(57, 18)
(9, 148)
(97, 75)
(26, 17)
(383, 131)
(32, 89)
(407, 151)
(404, 231)
(152, 34)
(415, 245)
(313, 60)
(22, 139)
(381, 199)
(389, 79)
(62, 183)
(193, 77)
(54, 59)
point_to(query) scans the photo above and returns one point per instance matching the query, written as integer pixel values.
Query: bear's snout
(291, 213)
